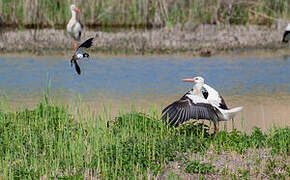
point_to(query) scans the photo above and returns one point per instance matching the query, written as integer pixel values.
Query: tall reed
(55, 13)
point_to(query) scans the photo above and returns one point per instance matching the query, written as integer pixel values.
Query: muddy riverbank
(189, 39)
(264, 110)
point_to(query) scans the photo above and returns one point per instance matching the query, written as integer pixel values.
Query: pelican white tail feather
(229, 114)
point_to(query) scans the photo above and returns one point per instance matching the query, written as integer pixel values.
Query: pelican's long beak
(75, 46)
(188, 80)
(77, 10)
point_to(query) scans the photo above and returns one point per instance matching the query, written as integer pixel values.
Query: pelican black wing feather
(204, 92)
(88, 43)
(184, 109)
(223, 105)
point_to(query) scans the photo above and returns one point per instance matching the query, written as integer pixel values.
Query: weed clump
(198, 167)
(33, 141)
(279, 140)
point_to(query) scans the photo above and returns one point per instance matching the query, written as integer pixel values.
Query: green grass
(48, 141)
(198, 167)
(143, 13)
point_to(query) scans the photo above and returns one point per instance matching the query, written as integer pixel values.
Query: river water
(254, 82)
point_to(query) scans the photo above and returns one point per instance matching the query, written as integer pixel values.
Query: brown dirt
(254, 162)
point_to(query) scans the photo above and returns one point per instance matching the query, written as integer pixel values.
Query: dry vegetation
(142, 13)
(195, 27)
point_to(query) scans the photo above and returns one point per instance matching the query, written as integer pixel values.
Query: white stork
(286, 35)
(80, 54)
(74, 27)
(201, 102)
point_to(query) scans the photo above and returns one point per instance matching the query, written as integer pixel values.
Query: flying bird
(201, 102)
(80, 54)
(74, 27)
(286, 35)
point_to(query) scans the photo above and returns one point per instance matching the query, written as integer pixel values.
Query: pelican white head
(198, 79)
(73, 8)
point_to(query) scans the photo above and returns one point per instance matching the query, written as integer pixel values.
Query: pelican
(286, 35)
(201, 102)
(80, 54)
(74, 27)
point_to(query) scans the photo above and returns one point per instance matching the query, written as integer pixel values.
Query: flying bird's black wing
(184, 109)
(286, 37)
(88, 43)
(77, 67)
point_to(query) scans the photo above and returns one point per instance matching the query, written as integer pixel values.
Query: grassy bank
(49, 142)
(143, 13)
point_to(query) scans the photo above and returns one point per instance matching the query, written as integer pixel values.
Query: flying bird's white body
(202, 102)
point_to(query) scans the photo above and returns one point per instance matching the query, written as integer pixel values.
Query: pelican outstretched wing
(189, 107)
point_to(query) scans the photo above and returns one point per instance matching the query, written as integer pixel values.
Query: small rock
(206, 52)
